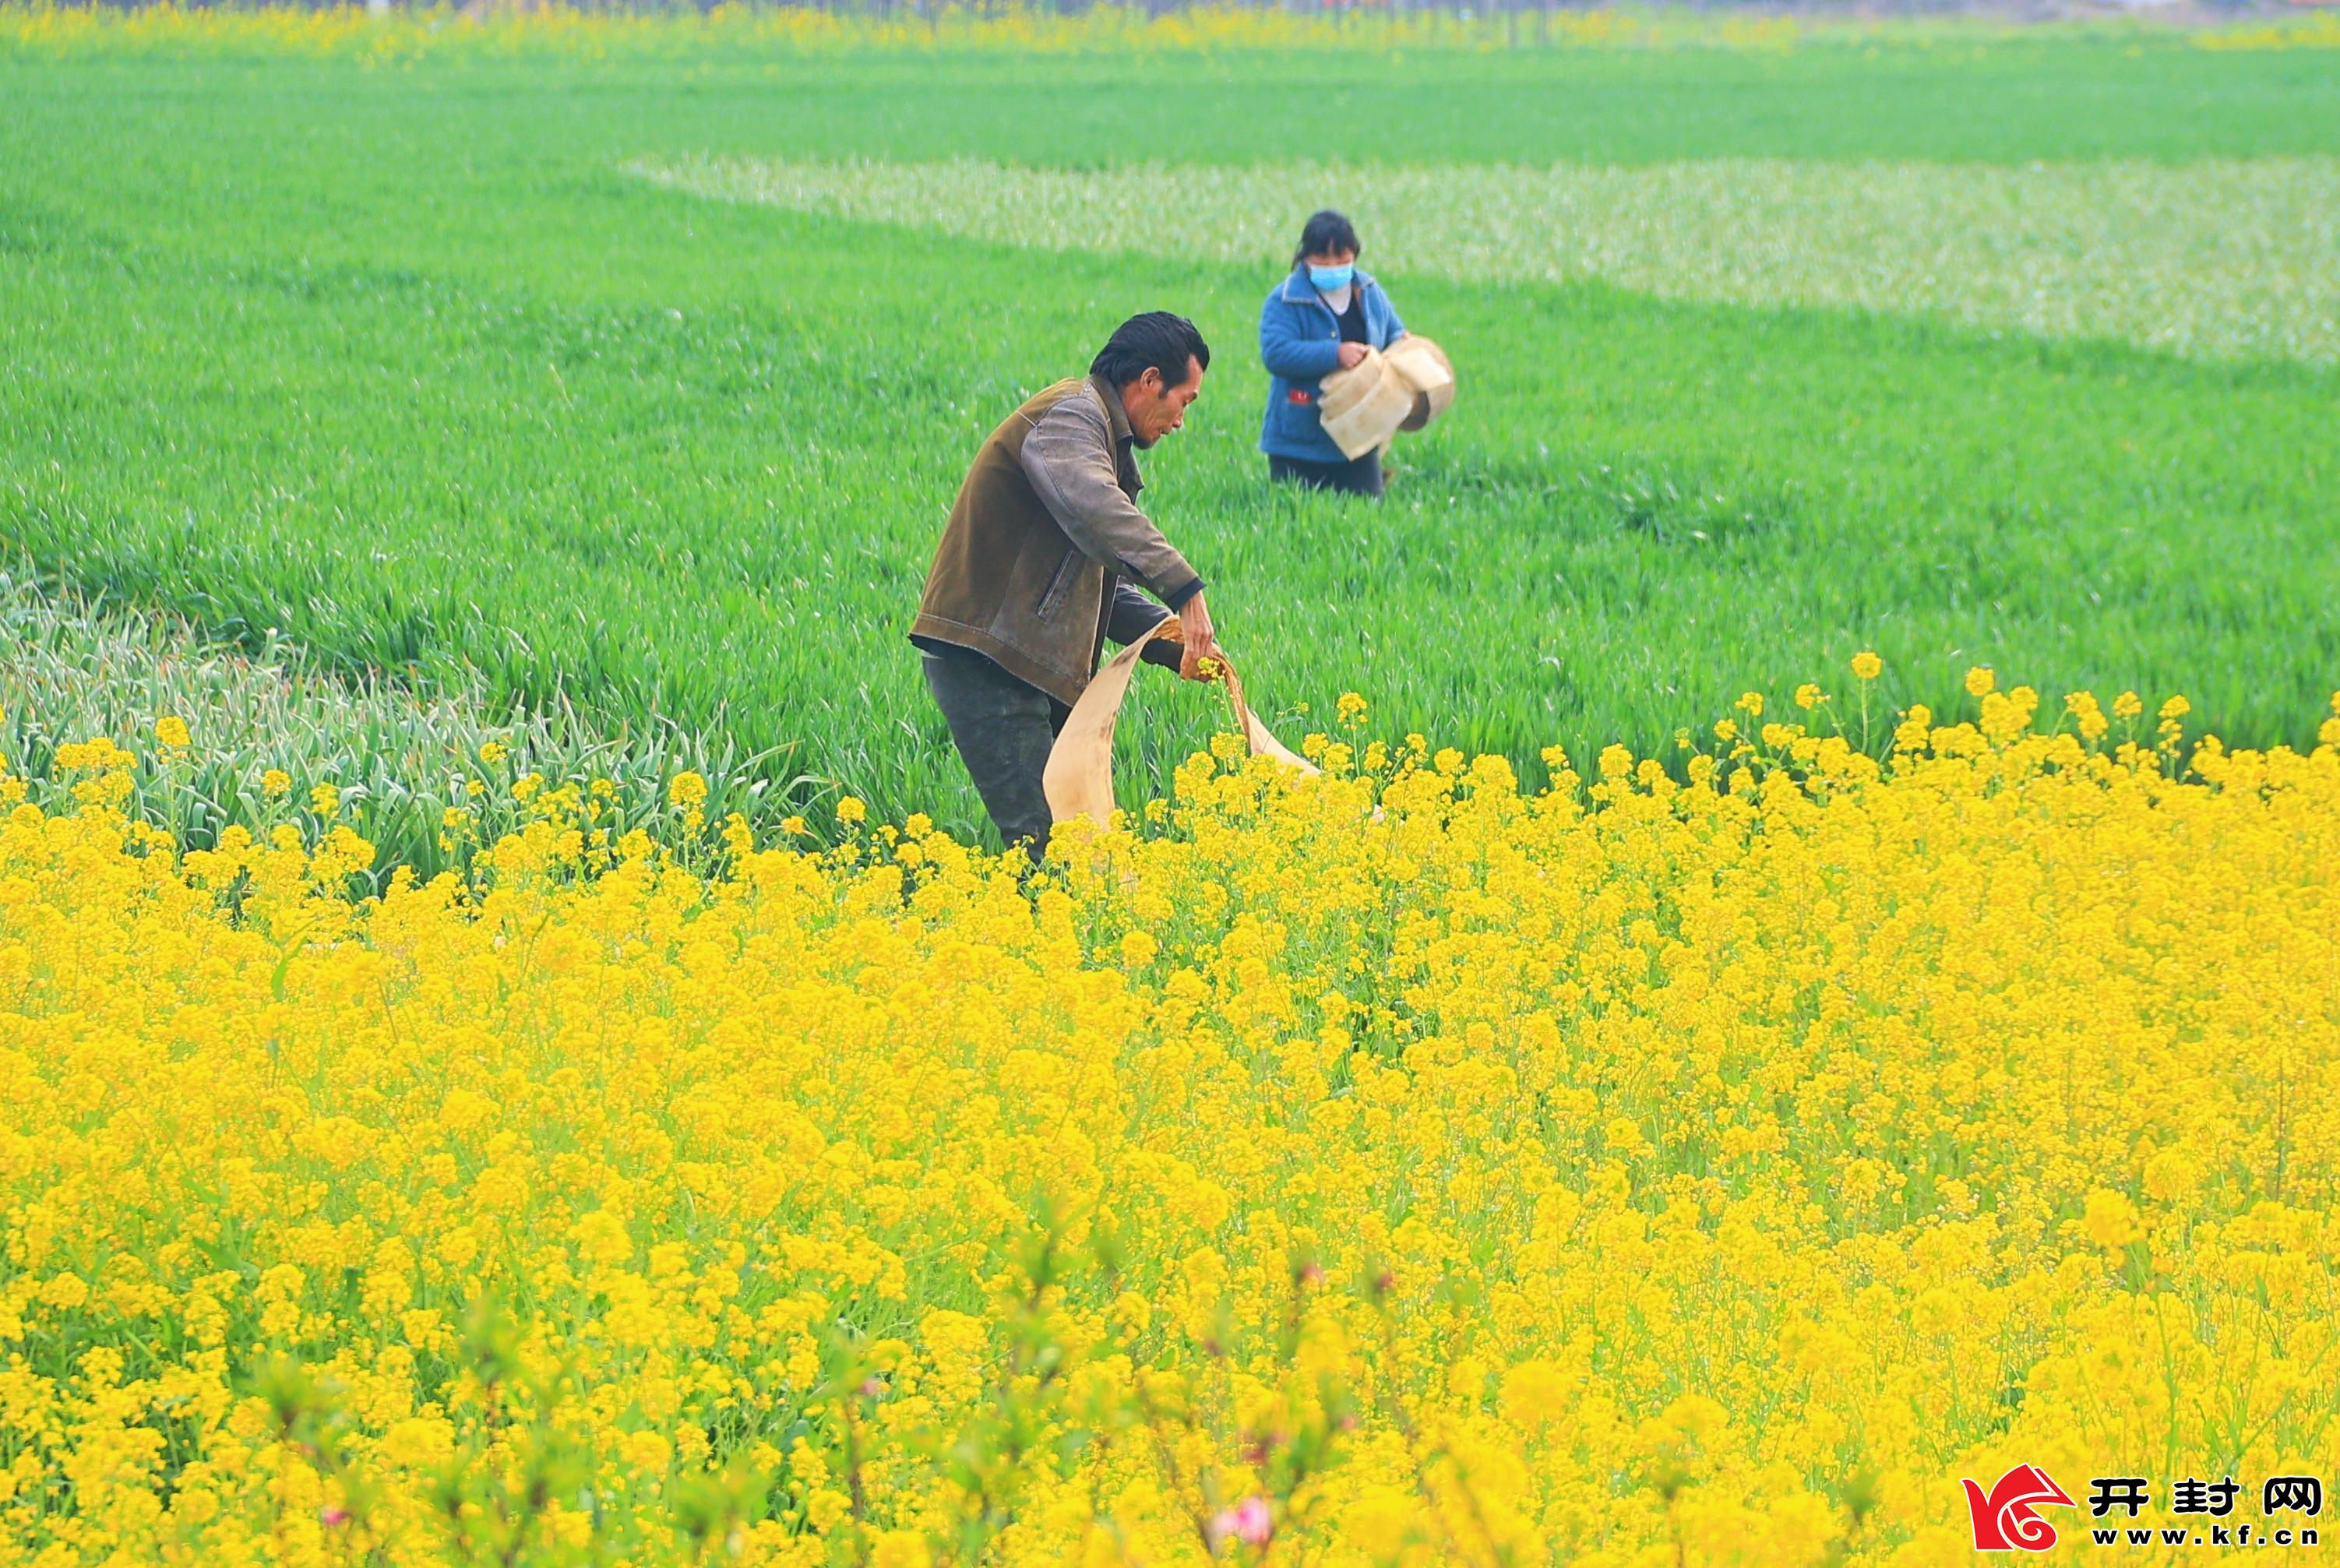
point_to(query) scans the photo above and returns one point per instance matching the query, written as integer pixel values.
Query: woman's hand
(1352, 355)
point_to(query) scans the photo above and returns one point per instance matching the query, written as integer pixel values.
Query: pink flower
(333, 1515)
(1249, 1522)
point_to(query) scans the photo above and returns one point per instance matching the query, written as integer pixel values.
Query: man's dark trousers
(1004, 729)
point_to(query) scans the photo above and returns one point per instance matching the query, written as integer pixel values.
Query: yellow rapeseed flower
(1412, 1165)
(2110, 1220)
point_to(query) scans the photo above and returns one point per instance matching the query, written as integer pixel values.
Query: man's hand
(1197, 641)
(1352, 355)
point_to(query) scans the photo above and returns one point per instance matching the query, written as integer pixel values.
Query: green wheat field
(611, 394)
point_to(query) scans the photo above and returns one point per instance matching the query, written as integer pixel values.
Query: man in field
(1037, 565)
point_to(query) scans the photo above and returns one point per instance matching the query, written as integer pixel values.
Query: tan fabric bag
(1424, 367)
(1403, 388)
(1079, 778)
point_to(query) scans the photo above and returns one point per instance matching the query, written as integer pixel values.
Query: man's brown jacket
(1035, 565)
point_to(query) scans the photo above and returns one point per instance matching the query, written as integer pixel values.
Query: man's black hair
(1157, 340)
(1328, 234)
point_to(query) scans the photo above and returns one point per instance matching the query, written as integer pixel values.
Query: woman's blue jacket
(1300, 343)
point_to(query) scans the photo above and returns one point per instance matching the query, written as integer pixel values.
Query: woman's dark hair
(1328, 234)
(1155, 341)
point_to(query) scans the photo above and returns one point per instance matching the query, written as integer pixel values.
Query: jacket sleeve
(1133, 616)
(1069, 458)
(1285, 353)
(1396, 327)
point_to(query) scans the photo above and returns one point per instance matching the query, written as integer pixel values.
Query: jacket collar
(1116, 417)
(1125, 440)
(1299, 291)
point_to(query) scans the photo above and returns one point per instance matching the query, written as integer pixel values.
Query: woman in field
(1321, 318)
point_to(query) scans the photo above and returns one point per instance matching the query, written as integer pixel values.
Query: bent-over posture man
(1036, 567)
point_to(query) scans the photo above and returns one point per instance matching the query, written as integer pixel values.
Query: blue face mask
(1328, 279)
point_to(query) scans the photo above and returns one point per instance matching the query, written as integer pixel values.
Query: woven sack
(1424, 367)
(1079, 778)
(1361, 407)
(1404, 388)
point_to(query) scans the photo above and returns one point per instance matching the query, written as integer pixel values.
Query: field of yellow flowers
(1390, 1167)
